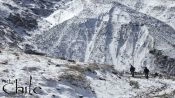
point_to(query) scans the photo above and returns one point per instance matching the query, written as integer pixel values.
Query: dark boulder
(73, 61)
(34, 52)
(29, 49)
(163, 62)
(27, 22)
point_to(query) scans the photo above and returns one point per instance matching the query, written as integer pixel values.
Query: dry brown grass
(76, 74)
(75, 78)
(134, 84)
(77, 68)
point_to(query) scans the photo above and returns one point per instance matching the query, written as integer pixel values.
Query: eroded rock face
(38, 3)
(164, 63)
(21, 17)
(8, 37)
(41, 8)
(28, 22)
(117, 35)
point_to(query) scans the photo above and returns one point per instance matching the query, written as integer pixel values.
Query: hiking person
(146, 71)
(132, 70)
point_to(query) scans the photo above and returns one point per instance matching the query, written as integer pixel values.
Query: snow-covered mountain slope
(118, 32)
(62, 79)
(28, 16)
(109, 33)
(160, 9)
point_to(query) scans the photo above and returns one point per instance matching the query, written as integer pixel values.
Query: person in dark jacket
(132, 70)
(146, 71)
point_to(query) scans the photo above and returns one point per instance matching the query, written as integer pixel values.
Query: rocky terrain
(63, 79)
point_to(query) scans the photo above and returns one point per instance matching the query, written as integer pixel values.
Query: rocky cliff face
(110, 33)
(8, 37)
(20, 18)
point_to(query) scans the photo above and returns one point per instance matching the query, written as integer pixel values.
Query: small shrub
(62, 58)
(91, 68)
(76, 68)
(165, 96)
(73, 61)
(5, 62)
(16, 54)
(6, 71)
(134, 84)
(75, 78)
(30, 69)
